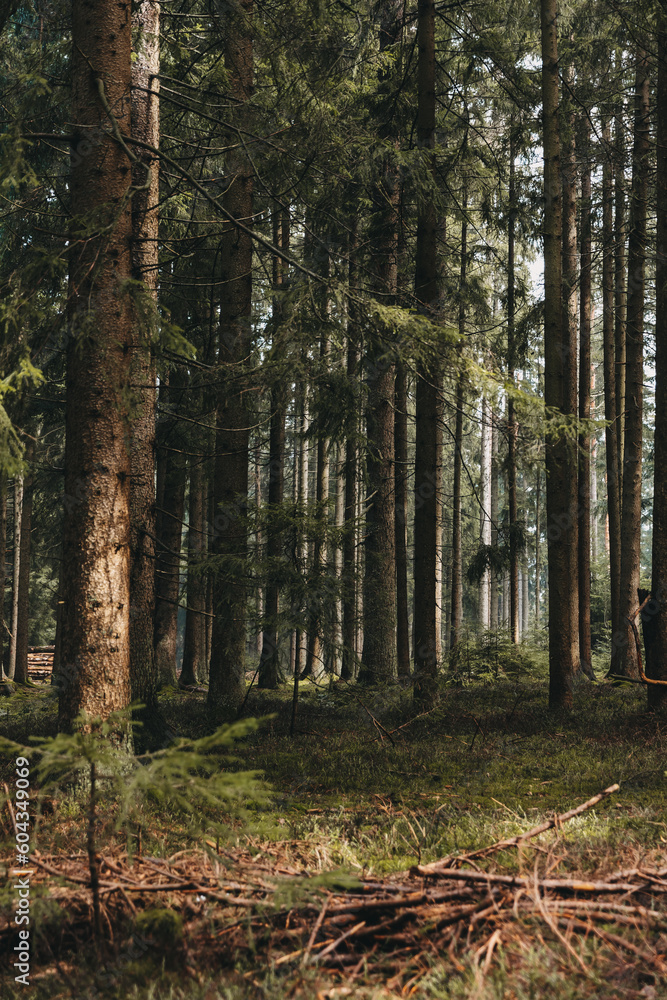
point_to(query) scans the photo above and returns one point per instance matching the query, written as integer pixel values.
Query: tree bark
(230, 541)
(401, 487)
(613, 522)
(3, 570)
(620, 281)
(95, 668)
(456, 619)
(194, 644)
(428, 424)
(485, 520)
(584, 511)
(169, 531)
(561, 469)
(656, 610)
(512, 426)
(146, 128)
(624, 654)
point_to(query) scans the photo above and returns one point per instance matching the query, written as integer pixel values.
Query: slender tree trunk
(95, 668)
(428, 425)
(493, 618)
(570, 275)
(230, 542)
(512, 426)
(339, 522)
(16, 569)
(401, 486)
(584, 510)
(620, 282)
(613, 520)
(561, 470)
(269, 664)
(457, 552)
(594, 469)
(194, 645)
(655, 618)
(485, 521)
(348, 669)
(146, 128)
(538, 561)
(314, 648)
(169, 532)
(624, 656)
(23, 611)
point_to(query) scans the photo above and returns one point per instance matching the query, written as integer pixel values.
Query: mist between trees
(279, 399)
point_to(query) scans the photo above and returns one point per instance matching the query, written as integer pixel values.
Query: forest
(333, 499)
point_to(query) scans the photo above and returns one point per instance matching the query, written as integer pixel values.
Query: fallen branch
(435, 866)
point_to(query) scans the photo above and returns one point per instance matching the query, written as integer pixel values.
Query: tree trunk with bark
(624, 655)
(584, 511)
(428, 402)
(95, 668)
(656, 611)
(561, 469)
(230, 539)
(146, 128)
(401, 487)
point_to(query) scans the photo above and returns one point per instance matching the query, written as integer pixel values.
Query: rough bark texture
(349, 665)
(610, 408)
(561, 470)
(3, 570)
(485, 502)
(656, 666)
(194, 644)
(146, 128)
(624, 653)
(570, 276)
(230, 538)
(456, 619)
(512, 426)
(428, 426)
(584, 511)
(620, 280)
(401, 487)
(95, 667)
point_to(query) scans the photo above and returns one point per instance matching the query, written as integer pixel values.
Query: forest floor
(334, 905)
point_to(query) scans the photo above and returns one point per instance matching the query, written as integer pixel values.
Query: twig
(313, 933)
(378, 725)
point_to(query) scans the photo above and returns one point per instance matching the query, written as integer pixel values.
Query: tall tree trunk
(624, 655)
(227, 672)
(194, 644)
(493, 617)
(339, 521)
(428, 424)
(594, 469)
(613, 521)
(561, 469)
(23, 611)
(656, 652)
(169, 532)
(269, 664)
(584, 510)
(401, 487)
(485, 520)
(349, 665)
(17, 496)
(512, 426)
(456, 618)
(380, 629)
(538, 561)
(314, 655)
(570, 276)
(146, 128)
(620, 280)
(95, 668)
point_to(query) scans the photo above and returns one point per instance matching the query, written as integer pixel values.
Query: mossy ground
(488, 762)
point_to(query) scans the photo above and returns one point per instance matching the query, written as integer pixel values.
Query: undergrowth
(367, 787)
